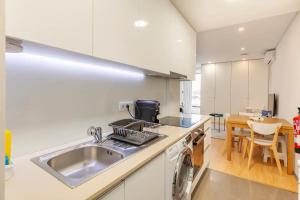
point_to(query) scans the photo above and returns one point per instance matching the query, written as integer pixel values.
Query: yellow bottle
(8, 140)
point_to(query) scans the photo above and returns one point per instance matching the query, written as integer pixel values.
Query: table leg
(229, 140)
(214, 123)
(290, 152)
(219, 124)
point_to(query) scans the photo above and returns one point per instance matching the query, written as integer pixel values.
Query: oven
(198, 149)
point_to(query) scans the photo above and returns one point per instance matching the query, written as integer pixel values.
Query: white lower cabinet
(148, 183)
(116, 193)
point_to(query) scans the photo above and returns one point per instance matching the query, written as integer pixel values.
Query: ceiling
(217, 23)
(204, 15)
(224, 44)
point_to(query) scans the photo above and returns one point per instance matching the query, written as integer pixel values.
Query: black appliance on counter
(147, 110)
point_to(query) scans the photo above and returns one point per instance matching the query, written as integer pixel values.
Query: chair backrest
(248, 114)
(263, 128)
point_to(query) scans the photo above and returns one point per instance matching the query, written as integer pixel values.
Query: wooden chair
(258, 130)
(240, 134)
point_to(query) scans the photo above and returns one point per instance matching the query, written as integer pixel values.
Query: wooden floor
(260, 172)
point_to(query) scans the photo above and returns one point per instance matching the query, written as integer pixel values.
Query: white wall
(2, 93)
(50, 103)
(285, 72)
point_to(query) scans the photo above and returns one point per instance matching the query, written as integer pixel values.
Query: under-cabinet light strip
(77, 65)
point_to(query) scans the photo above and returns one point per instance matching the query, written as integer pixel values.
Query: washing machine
(179, 170)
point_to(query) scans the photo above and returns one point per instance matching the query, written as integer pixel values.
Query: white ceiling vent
(270, 56)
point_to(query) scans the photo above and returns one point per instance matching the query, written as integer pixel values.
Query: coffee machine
(147, 110)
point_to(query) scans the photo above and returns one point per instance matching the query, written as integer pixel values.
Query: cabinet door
(207, 89)
(148, 183)
(208, 81)
(258, 84)
(183, 46)
(64, 24)
(133, 32)
(239, 86)
(223, 78)
(116, 193)
(207, 106)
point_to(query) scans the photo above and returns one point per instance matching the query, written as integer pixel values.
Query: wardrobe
(232, 87)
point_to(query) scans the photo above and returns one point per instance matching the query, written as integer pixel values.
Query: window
(196, 90)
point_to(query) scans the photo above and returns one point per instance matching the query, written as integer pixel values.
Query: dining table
(239, 121)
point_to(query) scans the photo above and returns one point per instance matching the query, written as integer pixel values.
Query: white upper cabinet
(132, 32)
(258, 84)
(147, 34)
(183, 46)
(115, 36)
(239, 87)
(65, 24)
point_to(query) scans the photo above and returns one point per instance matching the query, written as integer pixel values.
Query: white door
(207, 89)
(258, 84)
(223, 78)
(239, 87)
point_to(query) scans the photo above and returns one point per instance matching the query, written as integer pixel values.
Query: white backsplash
(49, 105)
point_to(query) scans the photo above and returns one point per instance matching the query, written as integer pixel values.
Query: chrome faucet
(96, 132)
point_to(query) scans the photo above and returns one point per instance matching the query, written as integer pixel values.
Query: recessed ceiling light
(140, 23)
(209, 62)
(241, 29)
(179, 40)
(243, 49)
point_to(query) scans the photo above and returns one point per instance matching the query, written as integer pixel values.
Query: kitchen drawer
(207, 125)
(207, 139)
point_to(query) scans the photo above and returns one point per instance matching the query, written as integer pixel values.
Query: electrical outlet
(122, 105)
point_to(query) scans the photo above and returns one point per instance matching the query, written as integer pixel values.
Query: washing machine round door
(183, 177)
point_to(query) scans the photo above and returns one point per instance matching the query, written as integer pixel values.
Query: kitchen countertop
(31, 182)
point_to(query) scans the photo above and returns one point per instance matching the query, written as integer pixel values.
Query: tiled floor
(215, 185)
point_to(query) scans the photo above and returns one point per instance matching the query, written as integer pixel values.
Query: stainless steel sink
(84, 162)
(77, 164)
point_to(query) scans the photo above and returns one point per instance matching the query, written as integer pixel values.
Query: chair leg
(242, 142)
(250, 154)
(245, 148)
(271, 156)
(277, 159)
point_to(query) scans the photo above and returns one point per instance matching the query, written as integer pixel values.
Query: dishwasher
(198, 150)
